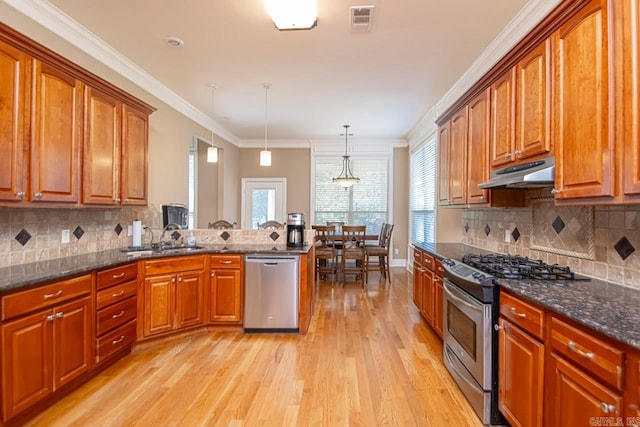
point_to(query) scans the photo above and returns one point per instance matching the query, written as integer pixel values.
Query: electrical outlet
(396, 251)
(507, 236)
(130, 230)
(65, 237)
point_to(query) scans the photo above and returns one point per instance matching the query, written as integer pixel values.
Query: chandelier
(346, 178)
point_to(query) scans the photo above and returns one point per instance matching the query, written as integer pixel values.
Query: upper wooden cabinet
(68, 137)
(444, 135)
(583, 129)
(458, 158)
(478, 148)
(503, 119)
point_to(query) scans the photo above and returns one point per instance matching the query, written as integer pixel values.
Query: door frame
(262, 181)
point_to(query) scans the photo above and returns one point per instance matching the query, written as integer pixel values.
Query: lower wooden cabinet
(438, 309)
(226, 289)
(45, 350)
(428, 288)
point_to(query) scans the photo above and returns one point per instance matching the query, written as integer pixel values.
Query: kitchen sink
(181, 249)
(168, 250)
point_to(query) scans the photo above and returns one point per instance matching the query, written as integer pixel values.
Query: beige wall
(207, 195)
(400, 207)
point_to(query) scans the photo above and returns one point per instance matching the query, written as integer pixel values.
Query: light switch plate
(130, 230)
(65, 236)
(507, 236)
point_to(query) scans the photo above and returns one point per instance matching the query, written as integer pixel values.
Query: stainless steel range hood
(536, 174)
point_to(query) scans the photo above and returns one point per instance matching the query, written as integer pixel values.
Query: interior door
(263, 200)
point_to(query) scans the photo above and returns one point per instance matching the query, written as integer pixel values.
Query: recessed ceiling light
(174, 41)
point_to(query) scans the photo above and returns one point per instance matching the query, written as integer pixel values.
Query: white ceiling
(380, 82)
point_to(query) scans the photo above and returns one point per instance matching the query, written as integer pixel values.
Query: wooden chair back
(271, 225)
(222, 225)
(353, 237)
(338, 225)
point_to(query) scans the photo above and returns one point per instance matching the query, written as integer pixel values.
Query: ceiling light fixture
(346, 178)
(293, 14)
(174, 41)
(265, 155)
(212, 152)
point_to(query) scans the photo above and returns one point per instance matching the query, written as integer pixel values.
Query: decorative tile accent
(118, 229)
(558, 224)
(466, 227)
(624, 248)
(78, 232)
(225, 236)
(515, 234)
(487, 229)
(23, 237)
(274, 236)
(175, 235)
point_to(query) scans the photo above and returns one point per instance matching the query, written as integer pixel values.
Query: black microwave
(175, 213)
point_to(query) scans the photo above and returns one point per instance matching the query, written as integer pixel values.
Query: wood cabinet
(444, 135)
(521, 363)
(458, 157)
(428, 288)
(428, 295)
(417, 278)
(135, 130)
(46, 348)
(503, 102)
(581, 106)
(173, 294)
(116, 311)
(14, 109)
(438, 309)
(478, 148)
(226, 290)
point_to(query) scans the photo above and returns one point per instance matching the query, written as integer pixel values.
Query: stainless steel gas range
(471, 309)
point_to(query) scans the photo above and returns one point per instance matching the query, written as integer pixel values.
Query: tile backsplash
(597, 241)
(28, 235)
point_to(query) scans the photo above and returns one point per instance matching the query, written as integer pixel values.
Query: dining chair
(381, 252)
(271, 225)
(325, 251)
(353, 249)
(338, 243)
(221, 225)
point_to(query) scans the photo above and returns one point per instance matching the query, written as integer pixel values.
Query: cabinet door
(578, 398)
(26, 362)
(521, 376)
(159, 304)
(458, 158)
(438, 321)
(101, 159)
(478, 148)
(226, 296)
(73, 341)
(428, 294)
(443, 164)
(417, 286)
(14, 110)
(503, 119)
(56, 135)
(190, 299)
(135, 130)
(629, 144)
(584, 141)
(533, 109)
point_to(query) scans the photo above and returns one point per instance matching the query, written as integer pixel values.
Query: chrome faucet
(170, 226)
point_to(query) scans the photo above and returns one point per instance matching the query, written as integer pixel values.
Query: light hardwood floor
(369, 359)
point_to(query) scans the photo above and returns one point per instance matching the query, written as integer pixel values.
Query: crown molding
(308, 143)
(54, 20)
(525, 21)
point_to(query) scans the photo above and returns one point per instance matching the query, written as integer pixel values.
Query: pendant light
(212, 152)
(265, 155)
(346, 178)
(293, 14)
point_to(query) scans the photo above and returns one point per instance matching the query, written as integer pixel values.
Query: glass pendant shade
(265, 158)
(346, 178)
(212, 154)
(293, 14)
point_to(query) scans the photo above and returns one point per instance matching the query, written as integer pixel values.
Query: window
(423, 193)
(363, 203)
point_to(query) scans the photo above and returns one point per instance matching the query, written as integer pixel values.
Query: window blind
(423, 193)
(363, 203)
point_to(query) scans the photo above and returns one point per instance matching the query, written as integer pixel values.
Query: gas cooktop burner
(518, 267)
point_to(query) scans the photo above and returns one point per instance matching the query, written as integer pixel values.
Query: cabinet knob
(498, 327)
(482, 197)
(20, 194)
(38, 195)
(507, 155)
(117, 199)
(50, 318)
(60, 315)
(554, 191)
(607, 409)
(173, 280)
(517, 152)
(213, 274)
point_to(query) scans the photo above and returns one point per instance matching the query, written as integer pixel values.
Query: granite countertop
(608, 308)
(25, 275)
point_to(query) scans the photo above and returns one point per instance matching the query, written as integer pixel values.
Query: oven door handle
(461, 298)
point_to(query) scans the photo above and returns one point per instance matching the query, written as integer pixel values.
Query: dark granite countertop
(609, 308)
(25, 275)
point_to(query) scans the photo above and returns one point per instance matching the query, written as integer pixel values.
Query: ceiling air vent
(361, 18)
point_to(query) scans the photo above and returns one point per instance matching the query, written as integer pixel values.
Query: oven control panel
(458, 270)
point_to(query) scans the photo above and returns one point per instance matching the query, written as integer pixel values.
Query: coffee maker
(295, 229)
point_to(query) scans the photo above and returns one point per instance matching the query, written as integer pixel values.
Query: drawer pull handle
(119, 340)
(213, 274)
(117, 276)
(118, 294)
(225, 262)
(115, 316)
(515, 313)
(60, 314)
(607, 409)
(53, 295)
(50, 318)
(586, 354)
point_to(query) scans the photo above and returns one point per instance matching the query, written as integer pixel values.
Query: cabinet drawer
(417, 256)
(226, 261)
(174, 265)
(597, 357)
(116, 340)
(116, 275)
(525, 315)
(116, 293)
(34, 299)
(428, 261)
(116, 315)
(439, 270)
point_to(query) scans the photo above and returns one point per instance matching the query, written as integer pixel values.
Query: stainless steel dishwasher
(271, 288)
